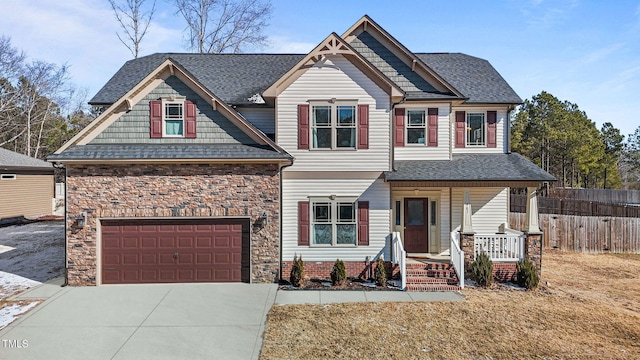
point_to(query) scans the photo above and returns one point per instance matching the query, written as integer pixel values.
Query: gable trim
(334, 45)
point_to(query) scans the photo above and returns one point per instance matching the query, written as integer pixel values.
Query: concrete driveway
(172, 321)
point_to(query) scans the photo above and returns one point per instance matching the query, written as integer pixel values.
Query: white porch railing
(500, 247)
(399, 256)
(457, 257)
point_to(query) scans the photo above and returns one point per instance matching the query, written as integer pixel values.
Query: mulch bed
(350, 284)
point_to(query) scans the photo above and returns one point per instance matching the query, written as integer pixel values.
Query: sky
(586, 52)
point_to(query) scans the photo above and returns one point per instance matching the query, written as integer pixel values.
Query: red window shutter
(303, 223)
(190, 119)
(363, 223)
(363, 126)
(492, 118)
(461, 128)
(303, 127)
(155, 118)
(432, 127)
(398, 127)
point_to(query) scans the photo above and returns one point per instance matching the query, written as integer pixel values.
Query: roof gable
(138, 92)
(334, 45)
(380, 48)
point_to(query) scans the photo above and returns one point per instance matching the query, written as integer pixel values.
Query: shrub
(339, 273)
(527, 274)
(380, 273)
(297, 272)
(482, 270)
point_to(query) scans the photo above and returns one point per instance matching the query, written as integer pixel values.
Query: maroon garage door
(175, 250)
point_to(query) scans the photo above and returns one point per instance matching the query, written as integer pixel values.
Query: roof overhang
(497, 169)
(334, 45)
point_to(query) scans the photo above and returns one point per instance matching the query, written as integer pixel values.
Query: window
(333, 222)
(8, 176)
(475, 129)
(416, 126)
(173, 117)
(333, 126)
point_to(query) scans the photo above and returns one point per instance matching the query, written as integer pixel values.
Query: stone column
(533, 249)
(466, 245)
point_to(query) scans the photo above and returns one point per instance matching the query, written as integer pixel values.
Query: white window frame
(334, 124)
(166, 103)
(409, 126)
(334, 203)
(484, 129)
(8, 177)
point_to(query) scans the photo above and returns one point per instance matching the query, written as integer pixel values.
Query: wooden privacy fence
(552, 205)
(609, 196)
(594, 234)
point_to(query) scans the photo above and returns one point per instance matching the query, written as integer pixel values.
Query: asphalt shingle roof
(168, 151)
(475, 78)
(469, 167)
(232, 77)
(237, 77)
(11, 159)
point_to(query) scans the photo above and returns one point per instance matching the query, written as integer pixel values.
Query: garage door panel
(142, 250)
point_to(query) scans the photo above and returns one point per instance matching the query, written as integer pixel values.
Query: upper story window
(173, 118)
(476, 129)
(416, 126)
(333, 222)
(333, 126)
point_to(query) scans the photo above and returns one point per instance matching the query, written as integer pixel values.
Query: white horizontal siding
(422, 151)
(374, 190)
(335, 77)
(262, 118)
(444, 221)
(500, 131)
(489, 206)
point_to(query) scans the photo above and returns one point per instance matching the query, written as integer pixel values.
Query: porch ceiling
(464, 169)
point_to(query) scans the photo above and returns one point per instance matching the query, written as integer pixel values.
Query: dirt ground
(588, 307)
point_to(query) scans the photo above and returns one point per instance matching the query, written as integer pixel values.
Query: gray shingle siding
(389, 64)
(134, 126)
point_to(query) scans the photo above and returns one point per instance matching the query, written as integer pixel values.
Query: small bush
(527, 274)
(297, 272)
(482, 270)
(380, 273)
(339, 273)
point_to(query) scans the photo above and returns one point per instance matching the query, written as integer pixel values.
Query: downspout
(66, 221)
(281, 219)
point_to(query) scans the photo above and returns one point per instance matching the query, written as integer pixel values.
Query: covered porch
(453, 210)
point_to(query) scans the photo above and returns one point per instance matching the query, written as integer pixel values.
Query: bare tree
(133, 21)
(217, 26)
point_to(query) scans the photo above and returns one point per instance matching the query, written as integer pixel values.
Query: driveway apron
(163, 321)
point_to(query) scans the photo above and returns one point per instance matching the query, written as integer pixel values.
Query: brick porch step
(432, 287)
(431, 277)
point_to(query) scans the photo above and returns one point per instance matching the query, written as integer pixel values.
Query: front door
(416, 234)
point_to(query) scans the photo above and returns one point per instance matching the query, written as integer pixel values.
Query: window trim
(166, 102)
(334, 125)
(424, 127)
(334, 202)
(484, 129)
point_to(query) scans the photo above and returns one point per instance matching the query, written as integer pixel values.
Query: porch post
(532, 226)
(466, 226)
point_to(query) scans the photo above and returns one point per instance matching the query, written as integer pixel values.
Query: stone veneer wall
(172, 190)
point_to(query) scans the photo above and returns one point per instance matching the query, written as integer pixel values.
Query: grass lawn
(588, 307)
